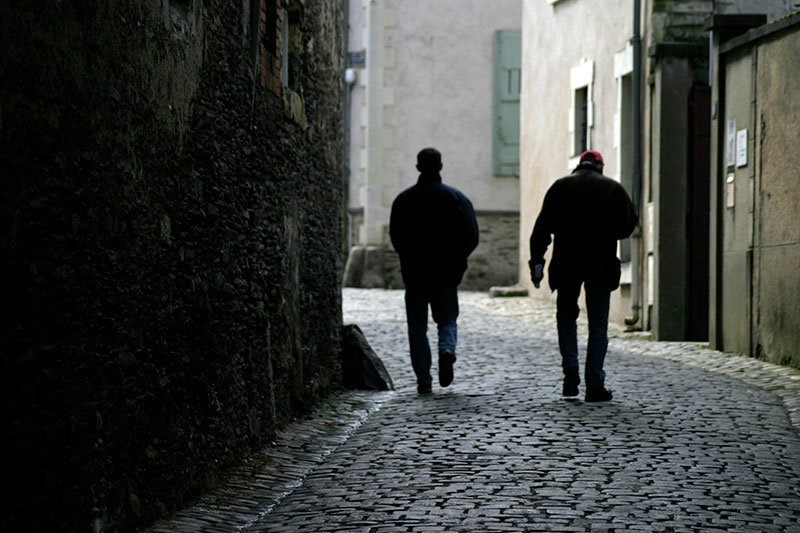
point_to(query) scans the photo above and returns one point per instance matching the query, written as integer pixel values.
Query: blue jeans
(444, 308)
(567, 310)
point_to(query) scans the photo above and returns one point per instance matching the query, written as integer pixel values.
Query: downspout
(636, 239)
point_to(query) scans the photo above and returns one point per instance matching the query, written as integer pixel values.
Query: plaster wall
(356, 94)
(443, 86)
(556, 39)
(428, 82)
(777, 253)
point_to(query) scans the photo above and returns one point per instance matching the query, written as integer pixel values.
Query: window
(625, 157)
(581, 126)
(291, 45)
(624, 138)
(269, 36)
(581, 110)
(284, 48)
(264, 46)
(507, 88)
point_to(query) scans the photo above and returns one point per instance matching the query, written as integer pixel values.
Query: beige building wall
(443, 82)
(567, 45)
(428, 81)
(578, 43)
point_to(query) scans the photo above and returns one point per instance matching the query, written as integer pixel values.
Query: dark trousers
(444, 308)
(567, 311)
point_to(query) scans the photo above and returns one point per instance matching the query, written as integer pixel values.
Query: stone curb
(254, 488)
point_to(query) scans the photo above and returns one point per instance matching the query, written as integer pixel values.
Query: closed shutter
(507, 86)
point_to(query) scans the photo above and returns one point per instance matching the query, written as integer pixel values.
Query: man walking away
(433, 229)
(586, 213)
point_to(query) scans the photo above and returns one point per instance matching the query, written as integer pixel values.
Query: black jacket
(433, 229)
(587, 213)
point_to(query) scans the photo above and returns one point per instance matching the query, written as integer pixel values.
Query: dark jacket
(433, 229)
(587, 213)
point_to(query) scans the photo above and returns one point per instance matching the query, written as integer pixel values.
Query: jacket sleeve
(543, 228)
(470, 225)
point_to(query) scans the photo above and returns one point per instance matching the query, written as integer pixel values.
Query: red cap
(592, 156)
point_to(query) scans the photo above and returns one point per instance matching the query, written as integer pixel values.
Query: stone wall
(495, 262)
(170, 237)
(777, 224)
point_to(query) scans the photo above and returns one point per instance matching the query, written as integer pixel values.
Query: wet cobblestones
(694, 440)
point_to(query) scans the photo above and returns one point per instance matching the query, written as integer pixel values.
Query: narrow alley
(694, 440)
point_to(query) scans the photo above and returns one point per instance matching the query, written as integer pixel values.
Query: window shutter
(507, 86)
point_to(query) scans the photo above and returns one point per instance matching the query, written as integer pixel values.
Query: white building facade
(631, 79)
(444, 74)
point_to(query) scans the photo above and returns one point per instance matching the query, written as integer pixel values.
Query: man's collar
(434, 177)
(587, 165)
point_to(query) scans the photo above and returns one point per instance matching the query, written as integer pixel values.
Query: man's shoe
(446, 360)
(424, 389)
(571, 381)
(598, 394)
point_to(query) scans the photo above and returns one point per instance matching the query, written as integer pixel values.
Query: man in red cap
(586, 213)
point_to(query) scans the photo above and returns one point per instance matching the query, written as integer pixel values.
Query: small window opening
(581, 120)
(269, 37)
(291, 47)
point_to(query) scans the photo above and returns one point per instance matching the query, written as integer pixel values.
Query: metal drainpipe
(636, 238)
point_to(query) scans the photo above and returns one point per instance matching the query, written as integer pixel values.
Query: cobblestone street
(694, 440)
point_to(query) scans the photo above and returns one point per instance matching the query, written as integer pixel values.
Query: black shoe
(424, 389)
(598, 394)
(571, 381)
(446, 360)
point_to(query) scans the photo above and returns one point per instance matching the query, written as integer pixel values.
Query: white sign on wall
(731, 141)
(741, 148)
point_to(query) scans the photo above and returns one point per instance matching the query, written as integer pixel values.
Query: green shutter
(507, 85)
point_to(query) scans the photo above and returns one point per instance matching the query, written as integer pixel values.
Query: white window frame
(623, 66)
(580, 76)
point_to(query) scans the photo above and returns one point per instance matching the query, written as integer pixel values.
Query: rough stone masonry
(169, 246)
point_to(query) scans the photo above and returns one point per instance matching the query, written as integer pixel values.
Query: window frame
(581, 78)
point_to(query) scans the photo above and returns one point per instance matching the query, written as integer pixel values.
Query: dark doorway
(698, 203)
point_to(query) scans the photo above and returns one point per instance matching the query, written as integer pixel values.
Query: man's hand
(537, 274)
